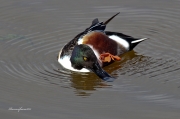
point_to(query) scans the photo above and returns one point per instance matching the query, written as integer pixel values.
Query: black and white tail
(128, 42)
(134, 42)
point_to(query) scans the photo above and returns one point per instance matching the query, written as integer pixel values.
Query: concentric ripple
(32, 36)
(147, 81)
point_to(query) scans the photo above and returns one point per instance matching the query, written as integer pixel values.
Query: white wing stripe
(136, 41)
(120, 41)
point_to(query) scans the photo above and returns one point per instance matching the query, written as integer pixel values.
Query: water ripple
(31, 54)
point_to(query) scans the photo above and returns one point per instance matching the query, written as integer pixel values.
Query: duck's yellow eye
(85, 58)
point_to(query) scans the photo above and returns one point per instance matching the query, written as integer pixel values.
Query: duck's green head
(84, 57)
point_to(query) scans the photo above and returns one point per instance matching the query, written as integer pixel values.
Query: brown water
(147, 84)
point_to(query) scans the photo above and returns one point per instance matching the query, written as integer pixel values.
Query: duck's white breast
(66, 63)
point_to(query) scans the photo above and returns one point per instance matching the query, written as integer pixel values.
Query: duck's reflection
(86, 83)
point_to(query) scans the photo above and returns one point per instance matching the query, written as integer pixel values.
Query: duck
(95, 48)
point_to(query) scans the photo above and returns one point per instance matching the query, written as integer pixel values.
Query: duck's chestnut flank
(101, 42)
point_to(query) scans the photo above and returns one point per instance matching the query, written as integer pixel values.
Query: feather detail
(107, 57)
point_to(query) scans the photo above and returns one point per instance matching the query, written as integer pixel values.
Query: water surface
(147, 84)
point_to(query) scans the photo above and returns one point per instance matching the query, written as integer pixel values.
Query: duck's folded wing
(99, 26)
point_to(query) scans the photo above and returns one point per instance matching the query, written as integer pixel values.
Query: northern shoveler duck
(95, 48)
